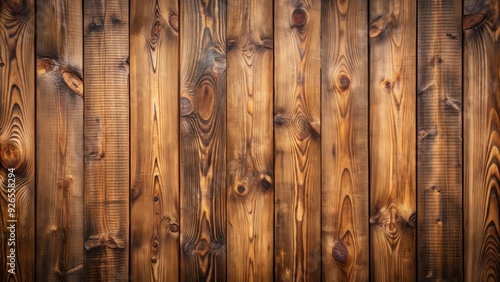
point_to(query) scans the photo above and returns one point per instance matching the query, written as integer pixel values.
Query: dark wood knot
(299, 18)
(340, 252)
(10, 155)
(377, 27)
(470, 21)
(344, 82)
(174, 22)
(97, 24)
(174, 227)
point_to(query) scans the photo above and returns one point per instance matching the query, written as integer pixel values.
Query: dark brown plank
(392, 139)
(59, 121)
(439, 115)
(297, 140)
(203, 140)
(481, 25)
(344, 140)
(250, 210)
(154, 90)
(17, 140)
(106, 39)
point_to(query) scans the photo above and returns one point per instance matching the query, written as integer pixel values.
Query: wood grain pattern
(439, 116)
(60, 181)
(203, 140)
(344, 140)
(154, 65)
(106, 39)
(297, 141)
(482, 140)
(250, 200)
(392, 137)
(17, 135)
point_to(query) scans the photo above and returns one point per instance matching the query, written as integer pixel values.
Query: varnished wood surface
(481, 24)
(17, 135)
(154, 96)
(297, 148)
(60, 181)
(439, 139)
(106, 149)
(250, 213)
(203, 140)
(344, 141)
(393, 207)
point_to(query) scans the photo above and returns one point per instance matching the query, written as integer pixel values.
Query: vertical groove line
(368, 50)
(416, 141)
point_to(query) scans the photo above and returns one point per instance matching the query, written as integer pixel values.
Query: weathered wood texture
(250, 212)
(297, 140)
(344, 139)
(392, 138)
(154, 92)
(439, 116)
(203, 140)
(17, 137)
(59, 119)
(481, 25)
(106, 140)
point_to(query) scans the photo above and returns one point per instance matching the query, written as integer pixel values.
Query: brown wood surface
(17, 136)
(481, 24)
(106, 149)
(154, 92)
(439, 115)
(392, 137)
(250, 212)
(60, 181)
(203, 140)
(344, 140)
(297, 140)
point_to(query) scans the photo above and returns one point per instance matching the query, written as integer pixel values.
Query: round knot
(10, 155)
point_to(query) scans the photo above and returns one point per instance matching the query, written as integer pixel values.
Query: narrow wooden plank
(481, 24)
(60, 181)
(203, 140)
(250, 212)
(17, 140)
(297, 140)
(106, 39)
(439, 115)
(344, 141)
(392, 136)
(154, 88)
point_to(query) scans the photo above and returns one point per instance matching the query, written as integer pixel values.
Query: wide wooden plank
(393, 139)
(481, 24)
(106, 50)
(203, 140)
(439, 116)
(17, 140)
(60, 181)
(250, 212)
(297, 140)
(154, 90)
(344, 140)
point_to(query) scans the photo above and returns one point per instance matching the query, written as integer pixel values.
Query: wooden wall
(250, 140)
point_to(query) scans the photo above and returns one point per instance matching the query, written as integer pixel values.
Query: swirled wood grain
(344, 140)
(250, 210)
(482, 139)
(106, 149)
(203, 140)
(392, 137)
(17, 134)
(439, 113)
(59, 182)
(154, 96)
(297, 140)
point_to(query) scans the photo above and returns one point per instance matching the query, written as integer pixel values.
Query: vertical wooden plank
(106, 50)
(59, 162)
(203, 140)
(481, 24)
(392, 136)
(439, 114)
(250, 140)
(344, 140)
(154, 88)
(17, 140)
(297, 140)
